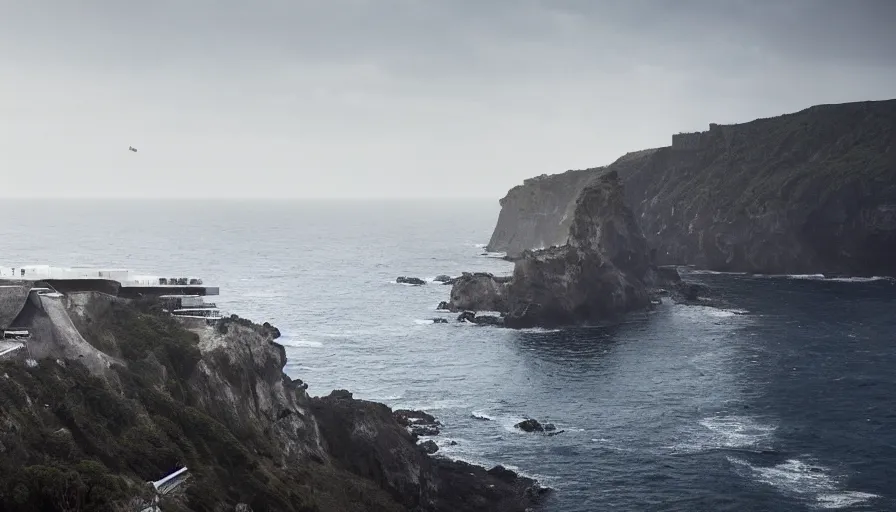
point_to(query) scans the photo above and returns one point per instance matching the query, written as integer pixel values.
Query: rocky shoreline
(603, 272)
(213, 399)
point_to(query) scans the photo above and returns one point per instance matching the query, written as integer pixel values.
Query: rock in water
(444, 279)
(530, 425)
(597, 276)
(415, 281)
(472, 317)
(429, 446)
(478, 292)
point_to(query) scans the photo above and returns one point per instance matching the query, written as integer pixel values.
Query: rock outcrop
(414, 281)
(479, 291)
(809, 192)
(596, 276)
(122, 394)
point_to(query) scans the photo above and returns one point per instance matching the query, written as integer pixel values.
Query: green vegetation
(73, 441)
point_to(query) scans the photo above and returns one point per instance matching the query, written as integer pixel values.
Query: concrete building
(118, 282)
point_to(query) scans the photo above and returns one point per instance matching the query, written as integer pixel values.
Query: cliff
(537, 214)
(809, 192)
(110, 394)
(596, 276)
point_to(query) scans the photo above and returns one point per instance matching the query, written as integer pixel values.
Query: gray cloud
(400, 97)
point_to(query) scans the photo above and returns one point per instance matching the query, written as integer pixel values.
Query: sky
(399, 98)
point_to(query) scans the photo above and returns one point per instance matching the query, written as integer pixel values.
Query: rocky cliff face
(115, 394)
(810, 192)
(597, 275)
(538, 213)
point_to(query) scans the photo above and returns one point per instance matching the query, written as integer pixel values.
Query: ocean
(784, 402)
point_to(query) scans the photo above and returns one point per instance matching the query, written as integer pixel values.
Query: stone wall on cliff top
(809, 192)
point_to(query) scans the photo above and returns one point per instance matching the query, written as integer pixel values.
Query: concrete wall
(687, 141)
(12, 300)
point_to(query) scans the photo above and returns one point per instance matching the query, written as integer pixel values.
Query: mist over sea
(784, 402)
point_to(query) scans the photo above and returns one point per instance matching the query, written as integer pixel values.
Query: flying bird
(132, 148)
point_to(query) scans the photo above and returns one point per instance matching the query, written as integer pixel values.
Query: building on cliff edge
(180, 296)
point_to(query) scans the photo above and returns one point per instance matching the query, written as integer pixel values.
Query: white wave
(843, 499)
(299, 343)
(540, 330)
(388, 397)
(822, 277)
(299, 367)
(805, 276)
(810, 481)
(725, 432)
(423, 322)
(508, 423)
(462, 453)
(711, 272)
(860, 279)
(480, 246)
(482, 416)
(431, 405)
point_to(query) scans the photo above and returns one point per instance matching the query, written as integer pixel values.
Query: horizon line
(244, 198)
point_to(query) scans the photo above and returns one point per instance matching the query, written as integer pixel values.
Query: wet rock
(429, 446)
(406, 417)
(470, 316)
(503, 473)
(270, 329)
(549, 427)
(444, 279)
(478, 292)
(415, 281)
(368, 439)
(555, 433)
(424, 430)
(443, 306)
(530, 425)
(440, 320)
(667, 274)
(340, 394)
(691, 292)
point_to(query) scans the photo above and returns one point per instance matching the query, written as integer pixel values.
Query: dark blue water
(785, 403)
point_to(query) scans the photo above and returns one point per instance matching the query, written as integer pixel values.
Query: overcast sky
(400, 98)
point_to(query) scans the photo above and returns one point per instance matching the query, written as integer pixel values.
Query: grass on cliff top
(70, 442)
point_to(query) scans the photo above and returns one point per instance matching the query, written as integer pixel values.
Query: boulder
(472, 317)
(429, 446)
(478, 292)
(530, 425)
(415, 281)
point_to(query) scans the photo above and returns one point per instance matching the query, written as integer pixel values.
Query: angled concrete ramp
(12, 299)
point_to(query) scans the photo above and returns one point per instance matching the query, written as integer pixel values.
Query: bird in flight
(132, 148)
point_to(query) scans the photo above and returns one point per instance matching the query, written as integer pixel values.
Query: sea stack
(596, 276)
